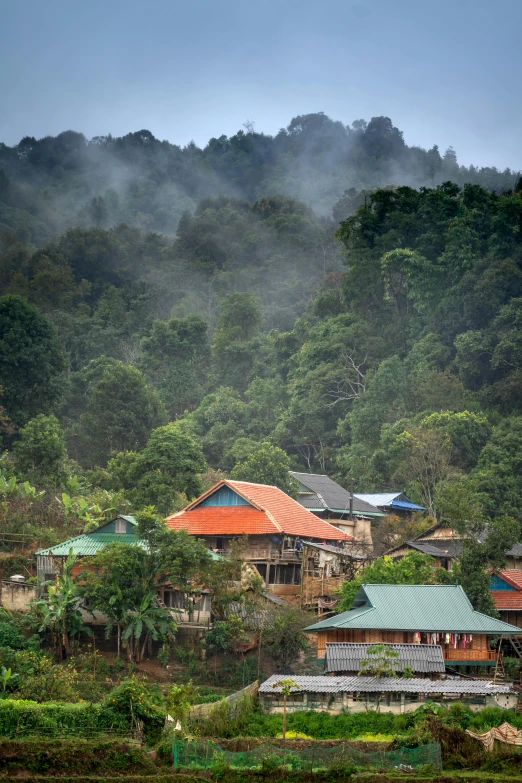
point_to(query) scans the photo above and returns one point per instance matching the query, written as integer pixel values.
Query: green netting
(204, 755)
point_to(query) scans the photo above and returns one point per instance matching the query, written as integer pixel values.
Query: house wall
(511, 617)
(477, 651)
(397, 703)
(16, 596)
(513, 562)
(116, 526)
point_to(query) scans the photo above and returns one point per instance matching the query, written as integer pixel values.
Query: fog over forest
(330, 296)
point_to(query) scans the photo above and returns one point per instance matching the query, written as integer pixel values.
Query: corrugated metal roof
(380, 498)
(87, 544)
(415, 608)
(334, 550)
(390, 500)
(322, 684)
(347, 657)
(128, 518)
(327, 494)
(425, 548)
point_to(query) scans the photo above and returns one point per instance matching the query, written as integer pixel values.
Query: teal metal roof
(128, 518)
(88, 544)
(415, 608)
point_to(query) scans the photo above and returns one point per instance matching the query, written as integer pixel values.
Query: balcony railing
(287, 555)
(469, 655)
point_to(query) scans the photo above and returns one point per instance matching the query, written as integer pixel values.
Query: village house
(188, 609)
(328, 500)
(286, 542)
(385, 694)
(445, 544)
(506, 591)
(418, 614)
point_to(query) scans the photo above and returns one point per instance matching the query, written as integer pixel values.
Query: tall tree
(268, 464)
(31, 361)
(121, 413)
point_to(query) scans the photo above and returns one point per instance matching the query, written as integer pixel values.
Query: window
(219, 543)
(121, 526)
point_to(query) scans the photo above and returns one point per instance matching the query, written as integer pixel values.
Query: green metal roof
(88, 544)
(127, 518)
(415, 608)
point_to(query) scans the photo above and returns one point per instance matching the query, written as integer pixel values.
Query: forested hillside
(329, 299)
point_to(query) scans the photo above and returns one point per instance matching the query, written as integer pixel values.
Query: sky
(447, 72)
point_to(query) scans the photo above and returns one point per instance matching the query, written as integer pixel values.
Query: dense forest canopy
(329, 299)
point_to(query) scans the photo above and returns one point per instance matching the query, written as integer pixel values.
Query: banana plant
(6, 677)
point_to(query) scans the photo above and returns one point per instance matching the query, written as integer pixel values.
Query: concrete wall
(396, 703)
(16, 596)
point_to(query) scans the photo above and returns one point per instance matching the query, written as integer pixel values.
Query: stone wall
(16, 596)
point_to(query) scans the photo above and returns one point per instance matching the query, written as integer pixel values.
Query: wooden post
(351, 499)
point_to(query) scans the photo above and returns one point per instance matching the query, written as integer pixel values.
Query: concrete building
(360, 694)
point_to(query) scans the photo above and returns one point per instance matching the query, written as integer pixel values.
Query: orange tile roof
(507, 599)
(272, 512)
(513, 577)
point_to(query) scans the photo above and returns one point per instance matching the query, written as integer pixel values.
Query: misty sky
(445, 71)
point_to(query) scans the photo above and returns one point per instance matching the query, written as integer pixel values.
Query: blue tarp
(406, 505)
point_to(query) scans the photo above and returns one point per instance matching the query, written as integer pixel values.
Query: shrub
(10, 636)
(21, 715)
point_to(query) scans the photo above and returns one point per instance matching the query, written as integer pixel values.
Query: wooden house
(328, 500)
(417, 614)
(276, 527)
(445, 544)
(49, 561)
(506, 591)
(191, 609)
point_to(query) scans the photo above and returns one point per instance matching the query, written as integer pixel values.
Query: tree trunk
(259, 657)
(284, 716)
(118, 636)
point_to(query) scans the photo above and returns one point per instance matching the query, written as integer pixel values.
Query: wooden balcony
(469, 655)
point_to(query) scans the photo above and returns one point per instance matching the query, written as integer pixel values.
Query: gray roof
(347, 657)
(442, 549)
(335, 550)
(327, 495)
(329, 684)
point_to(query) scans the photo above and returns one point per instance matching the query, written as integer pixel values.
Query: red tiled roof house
(276, 526)
(506, 591)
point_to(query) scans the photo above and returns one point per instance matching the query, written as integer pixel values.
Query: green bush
(20, 716)
(10, 636)
(62, 756)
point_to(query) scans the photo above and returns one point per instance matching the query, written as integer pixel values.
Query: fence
(205, 755)
(202, 711)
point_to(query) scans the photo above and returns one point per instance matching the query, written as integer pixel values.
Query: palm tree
(60, 610)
